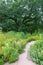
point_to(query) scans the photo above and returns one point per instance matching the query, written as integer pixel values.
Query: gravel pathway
(23, 59)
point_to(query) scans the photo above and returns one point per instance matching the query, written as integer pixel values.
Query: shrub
(1, 61)
(14, 56)
(6, 52)
(36, 52)
(21, 45)
(8, 25)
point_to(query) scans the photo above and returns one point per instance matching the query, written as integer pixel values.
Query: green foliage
(13, 43)
(1, 61)
(20, 15)
(8, 25)
(36, 52)
(14, 56)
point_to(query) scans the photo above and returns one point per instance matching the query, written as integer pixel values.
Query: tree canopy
(21, 15)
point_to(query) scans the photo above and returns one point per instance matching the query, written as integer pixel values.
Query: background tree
(24, 14)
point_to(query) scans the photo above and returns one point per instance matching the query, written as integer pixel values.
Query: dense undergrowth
(12, 44)
(36, 51)
(19, 15)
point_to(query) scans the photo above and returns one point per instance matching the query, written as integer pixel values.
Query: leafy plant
(1, 61)
(14, 56)
(36, 52)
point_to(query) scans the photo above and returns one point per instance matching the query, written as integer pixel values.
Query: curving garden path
(24, 59)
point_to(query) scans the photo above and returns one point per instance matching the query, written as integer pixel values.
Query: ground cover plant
(12, 44)
(36, 51)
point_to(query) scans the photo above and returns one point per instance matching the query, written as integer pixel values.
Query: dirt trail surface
(24, 59)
